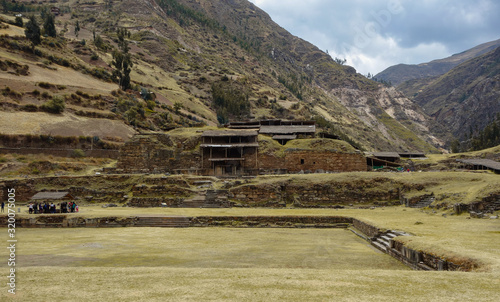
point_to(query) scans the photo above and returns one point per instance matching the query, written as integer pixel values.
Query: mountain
(465, 99)
(194, 62)
(398, 74)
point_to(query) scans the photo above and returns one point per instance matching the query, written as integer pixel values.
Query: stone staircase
(383, 241)
(207, 199)
(163, 221)
(195, 202)
(425, 202)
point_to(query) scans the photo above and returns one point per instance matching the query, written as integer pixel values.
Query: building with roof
(229, 152)
(280, 130)
(238, 152)
(42, 196)
(378, 160)
(481, 164)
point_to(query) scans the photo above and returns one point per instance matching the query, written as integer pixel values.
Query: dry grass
(450, 237)
(201, 248)
(16, 165)
(62, 76)
(214, 264)
(65, 124)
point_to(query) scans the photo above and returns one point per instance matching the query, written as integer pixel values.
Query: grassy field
(226, 264)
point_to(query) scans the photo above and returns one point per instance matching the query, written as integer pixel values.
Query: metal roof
(488, 163)
(229, 145)
(220, 133)
(51, 195)
(411, 154)
(291, 129)
(285, 136)
(386, 154)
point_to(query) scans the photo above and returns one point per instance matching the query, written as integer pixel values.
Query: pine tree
(48, 26)
(122, 61)
(77, 28)
(5, 6)
(32, 32)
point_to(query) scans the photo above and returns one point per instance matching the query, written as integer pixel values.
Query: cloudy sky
(373, 35)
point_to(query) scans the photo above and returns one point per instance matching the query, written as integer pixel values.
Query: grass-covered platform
(255, 264)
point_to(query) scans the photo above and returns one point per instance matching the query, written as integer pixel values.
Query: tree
(340, 61)
(5, 6)
(77, 28)
(122, 43)
(122, 61)
(48, 26)
(123, 66)
(19, 21)
(32, 32)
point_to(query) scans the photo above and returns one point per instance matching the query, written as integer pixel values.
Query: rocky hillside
(401, 73)
(465, 99)
(205, 62)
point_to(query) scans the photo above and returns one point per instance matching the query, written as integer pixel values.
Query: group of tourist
(50, 208)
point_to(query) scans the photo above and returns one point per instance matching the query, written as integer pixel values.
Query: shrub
(78, 153)
(19, 21)
(45, 85)
(30, 108)
(56, 105)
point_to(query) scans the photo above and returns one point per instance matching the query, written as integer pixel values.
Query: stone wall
(61, 221)
(160, 190)
(262, 195)
(99, 153)
(272, 221)
(311, 161)
(25, 189)
(330, 194)
(367, 229)
(158, 153)
(324, 161)
(151, 202)
(420, 260)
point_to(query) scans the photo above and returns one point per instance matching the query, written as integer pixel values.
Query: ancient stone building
(229, 152)
(233, 152)
(313, 156)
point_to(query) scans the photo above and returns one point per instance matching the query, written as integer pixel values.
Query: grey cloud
(345, 27)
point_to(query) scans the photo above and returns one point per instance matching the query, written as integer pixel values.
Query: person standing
(3, 206)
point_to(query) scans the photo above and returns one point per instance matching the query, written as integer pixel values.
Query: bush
(30, 108)
(19, 21)
(45, 85)
(78, 153)
(56, 105)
